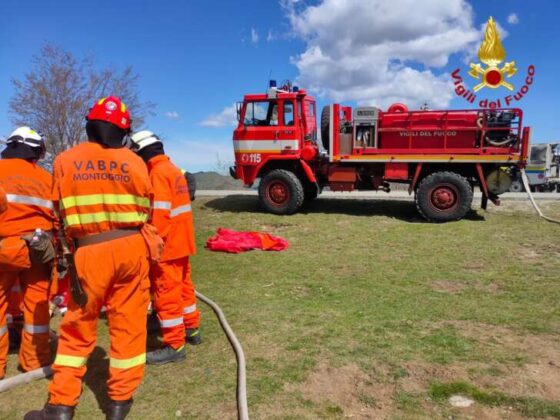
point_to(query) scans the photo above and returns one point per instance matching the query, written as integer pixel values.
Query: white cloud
(390, 52)
(172, 115)
(270, 36)
(254, 36)
(228, 117)
(513, 19)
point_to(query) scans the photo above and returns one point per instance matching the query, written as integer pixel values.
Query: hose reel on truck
(499, 181)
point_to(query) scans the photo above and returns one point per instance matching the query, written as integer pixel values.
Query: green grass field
(371, 313)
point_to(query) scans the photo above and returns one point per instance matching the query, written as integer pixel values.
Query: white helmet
(27, 136)
(142, 139)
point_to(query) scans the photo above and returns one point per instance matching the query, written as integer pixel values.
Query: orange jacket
(100, 189)
(3, 200)
(28, 193)
(171, 208)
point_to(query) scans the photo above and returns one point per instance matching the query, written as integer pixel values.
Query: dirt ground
(375, 395)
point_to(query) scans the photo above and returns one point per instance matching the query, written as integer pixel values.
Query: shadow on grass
(399, 209)
(98, 371)
(97, 375)
(154, 341)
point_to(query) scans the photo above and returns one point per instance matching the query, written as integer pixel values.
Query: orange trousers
(15, 300)
(113, 273)
(34, 351)
(174, 299)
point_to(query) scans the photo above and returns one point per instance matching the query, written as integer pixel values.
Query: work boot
(51, 412)
(193, 337)
(118, 410)
(165, 355)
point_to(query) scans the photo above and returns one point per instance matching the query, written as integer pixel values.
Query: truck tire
(325, 122)
(281, 192)
(516, 186)
(444, 197)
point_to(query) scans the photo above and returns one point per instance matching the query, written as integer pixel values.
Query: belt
(110, 235)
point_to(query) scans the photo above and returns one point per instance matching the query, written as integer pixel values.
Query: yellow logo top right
(492, 53)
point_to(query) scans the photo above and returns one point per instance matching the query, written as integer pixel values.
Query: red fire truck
(441, 155)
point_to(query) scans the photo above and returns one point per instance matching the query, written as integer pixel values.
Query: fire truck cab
(442, 155)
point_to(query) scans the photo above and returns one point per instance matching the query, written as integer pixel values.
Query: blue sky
(196, 58)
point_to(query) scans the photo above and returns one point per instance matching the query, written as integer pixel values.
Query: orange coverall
(3, 200)
(28, 193)
(99, 190)
(174, 293)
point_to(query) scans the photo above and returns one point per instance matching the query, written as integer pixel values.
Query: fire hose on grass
(532, 199)
(242, 409)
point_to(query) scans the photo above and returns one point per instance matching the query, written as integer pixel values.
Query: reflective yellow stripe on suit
(94, 199)
(128, 363)
(83, 219)
(71, 361)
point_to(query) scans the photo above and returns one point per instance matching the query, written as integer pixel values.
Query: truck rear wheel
(325, 126)
(281, 192)
(444, 197)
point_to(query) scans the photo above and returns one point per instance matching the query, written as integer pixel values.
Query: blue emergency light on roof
(295, 89)
(272, 83)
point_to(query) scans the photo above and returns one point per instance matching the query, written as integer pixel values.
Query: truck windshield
(261, 113)
(538, 153)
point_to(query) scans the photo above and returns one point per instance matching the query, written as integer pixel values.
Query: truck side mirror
(238, 107)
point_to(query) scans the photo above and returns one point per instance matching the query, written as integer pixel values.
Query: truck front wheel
(444, 197)
(281, 192)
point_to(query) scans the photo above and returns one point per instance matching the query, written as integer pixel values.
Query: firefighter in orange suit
(174, 293)
(29, 206)
(3, 201)
(103, 194)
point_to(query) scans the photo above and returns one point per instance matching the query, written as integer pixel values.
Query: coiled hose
(533, 202)
(242, 409)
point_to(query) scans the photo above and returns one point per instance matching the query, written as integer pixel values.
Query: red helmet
(112, 110)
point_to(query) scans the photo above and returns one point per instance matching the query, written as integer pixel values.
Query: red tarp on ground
(227, 240)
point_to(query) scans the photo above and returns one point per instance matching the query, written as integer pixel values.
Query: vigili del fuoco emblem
(492, 53)
(491, 74)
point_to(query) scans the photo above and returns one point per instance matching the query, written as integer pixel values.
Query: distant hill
(215, 181)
